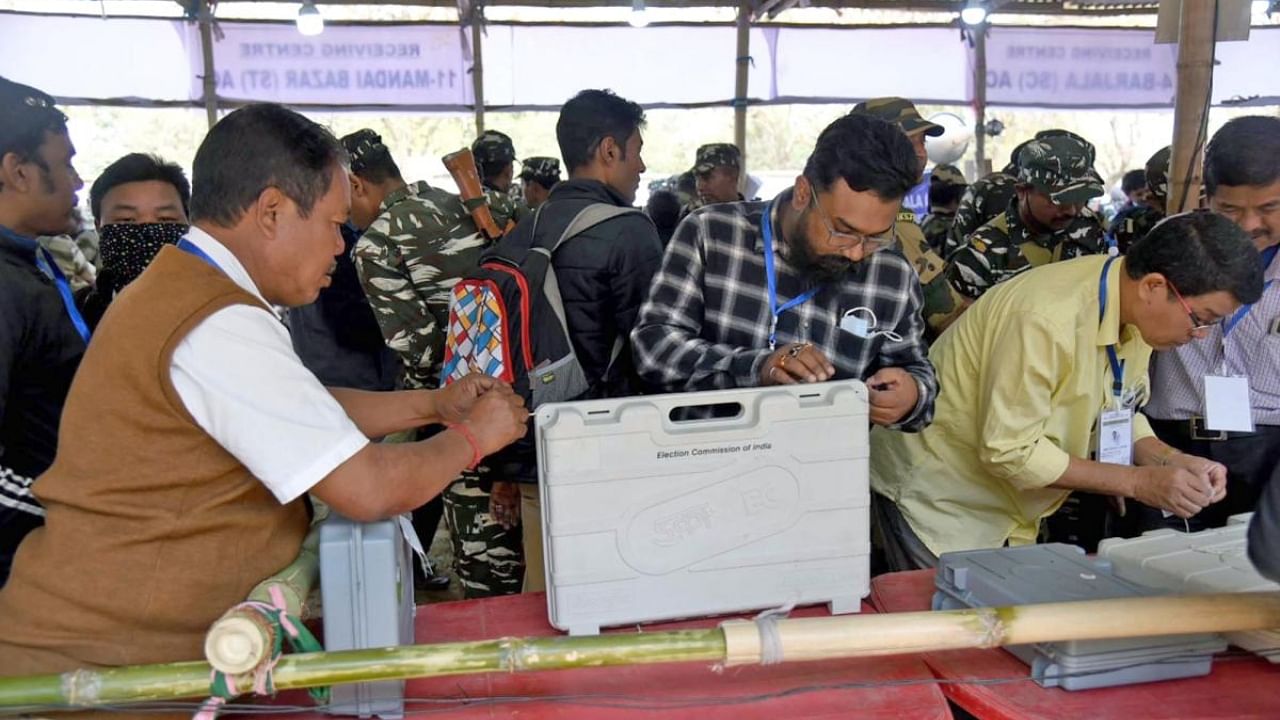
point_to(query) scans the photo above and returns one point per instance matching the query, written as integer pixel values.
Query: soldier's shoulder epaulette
(906, 216)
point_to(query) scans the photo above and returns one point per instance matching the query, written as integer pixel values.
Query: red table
(684, 690)
(1238, 688)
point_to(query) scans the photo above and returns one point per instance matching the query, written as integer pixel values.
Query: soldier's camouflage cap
(493, 148)
(1062, 167)
(23, 109)
(948, 175)
(362, 146)
(1012, 167)
(1158, 175)
(900, 111)
(714, 155)
(545, 170)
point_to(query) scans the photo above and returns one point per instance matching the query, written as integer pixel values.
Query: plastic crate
(648, 516)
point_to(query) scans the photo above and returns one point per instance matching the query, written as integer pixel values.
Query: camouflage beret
(493, 148)
(23, 109)
(714, 155)
(1060, 166)
(899, 111)
(545, 170)
(948, 175)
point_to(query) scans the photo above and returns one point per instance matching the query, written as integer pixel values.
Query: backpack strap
(587, 218)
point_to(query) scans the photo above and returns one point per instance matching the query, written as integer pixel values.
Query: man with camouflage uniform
(991, 195)
(1040, 226)
(911, 241)
(717, 168)
(418, 242)
(946, 186)
(537, 176)
(1135, 221)
(495, 157)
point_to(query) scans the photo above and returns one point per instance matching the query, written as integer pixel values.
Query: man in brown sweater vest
(193, 430)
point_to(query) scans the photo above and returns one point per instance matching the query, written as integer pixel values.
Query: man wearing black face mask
(796, 290)
(139, 205)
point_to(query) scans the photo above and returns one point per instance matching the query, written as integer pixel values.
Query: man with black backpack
(555, 301)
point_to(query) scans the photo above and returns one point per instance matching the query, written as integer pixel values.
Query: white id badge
(1226, 404)
(1115, 437)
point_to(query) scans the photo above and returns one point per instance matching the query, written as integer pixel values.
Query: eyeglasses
(847, 240)
(1196, 323)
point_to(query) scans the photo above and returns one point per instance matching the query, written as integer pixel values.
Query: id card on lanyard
(1114, 441)
(771, 280)
(1227, 405)
(47, 265)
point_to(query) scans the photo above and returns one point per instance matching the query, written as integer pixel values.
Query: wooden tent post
(477, 69)
(740, 87)
(1191, 107)
(980, 99)
(205, 18)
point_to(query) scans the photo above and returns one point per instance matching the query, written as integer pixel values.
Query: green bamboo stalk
(241, 639)
(147, 683)
(297, 579)
(734, 643)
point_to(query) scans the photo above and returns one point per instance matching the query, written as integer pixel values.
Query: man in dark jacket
(42, 334)
(337, 337)
(1264, 530)
(603, 273)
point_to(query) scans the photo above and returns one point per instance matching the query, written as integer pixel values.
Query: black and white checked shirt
(705, 324)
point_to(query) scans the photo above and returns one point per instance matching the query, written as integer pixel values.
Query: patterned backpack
(507, 320)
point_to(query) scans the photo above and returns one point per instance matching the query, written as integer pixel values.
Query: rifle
(462, 166)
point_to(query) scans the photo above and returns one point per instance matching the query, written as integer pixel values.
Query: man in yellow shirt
(1028, 373)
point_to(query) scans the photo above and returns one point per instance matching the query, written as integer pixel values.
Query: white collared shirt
(242, 382)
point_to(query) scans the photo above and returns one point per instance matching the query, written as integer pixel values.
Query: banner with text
(1056, 67)
(424, 66)
(418, 65)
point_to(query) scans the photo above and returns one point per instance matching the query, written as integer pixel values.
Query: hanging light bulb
(310, 21)
(974, 13)
(639, 17)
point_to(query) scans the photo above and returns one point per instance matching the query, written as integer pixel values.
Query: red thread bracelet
(476, 455)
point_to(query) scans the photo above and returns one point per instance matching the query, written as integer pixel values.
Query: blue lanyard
(49, 266)
(1268, 256)
(774, 308)
(191, 248)
(1117, 366)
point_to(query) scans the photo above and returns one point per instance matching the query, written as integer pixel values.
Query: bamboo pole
(477, 67)
(980, 99)
(205, 18)
(1196, 27)
(734, 643)
(145, 683)
(741, 88)
(241, 640)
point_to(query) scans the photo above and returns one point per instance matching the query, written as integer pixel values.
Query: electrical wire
(624, 701)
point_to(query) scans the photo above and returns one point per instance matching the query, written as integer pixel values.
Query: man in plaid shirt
(805, 288)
